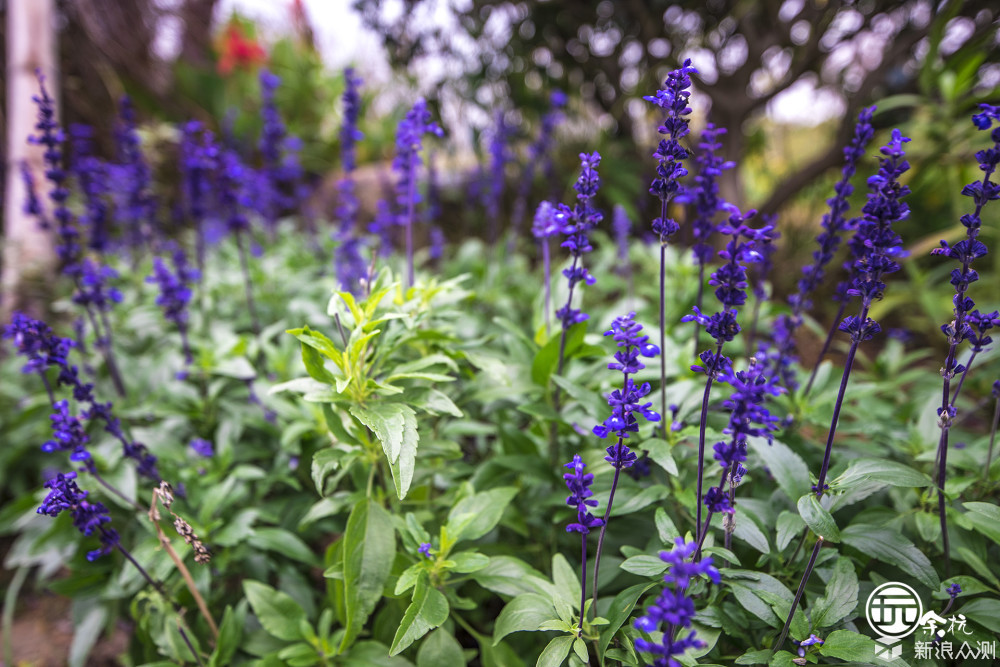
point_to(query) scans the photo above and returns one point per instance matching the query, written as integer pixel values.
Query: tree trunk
(28, 254)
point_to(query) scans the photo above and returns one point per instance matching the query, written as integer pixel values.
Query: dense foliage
(366, 461)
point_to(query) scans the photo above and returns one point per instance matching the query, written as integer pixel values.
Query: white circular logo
(894, 610)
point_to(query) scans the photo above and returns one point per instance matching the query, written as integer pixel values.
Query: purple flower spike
(65, 495)
(425, 550)
(580, 219)
(579, 483)
(409, 143)
(673, 609)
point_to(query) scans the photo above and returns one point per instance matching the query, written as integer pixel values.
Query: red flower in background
(237, 50)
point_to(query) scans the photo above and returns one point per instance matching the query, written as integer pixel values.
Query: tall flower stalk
(579, 483)
(673, 610)
(707, 203)
(730, 281)
(547, 223)
(409, 142)
(967, 324)
(624, 403)
(878, 247)
(835, 223)
(673, 98)
(350, 265)
(576, 223)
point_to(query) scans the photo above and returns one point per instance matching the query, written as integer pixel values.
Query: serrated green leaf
(890, 547)
(880, 470)
(283, 542)
(789, 525)
(277, 612)
(840, 597)
(788, 469)
(819, 520)
(985, 519)
(848, 645)
(620, 610)
(439, 649)
(369, 550)
(427, 610)
(555, 652)
(524, 613)
(475, 515)
(468, 561)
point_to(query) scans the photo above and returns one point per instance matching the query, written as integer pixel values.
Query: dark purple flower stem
(701, 435)
(557, 394)
(248, 286)
(798, 595)
(698, 300)
(663, 332)
(101, 341)
(607, 517)
(583, 578)
(848, 364)
(826, 346)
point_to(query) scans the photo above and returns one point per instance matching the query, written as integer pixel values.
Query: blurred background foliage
(925, 64)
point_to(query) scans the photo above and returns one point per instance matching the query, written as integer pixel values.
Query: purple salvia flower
(350, 265)
(201, 447)
(705, 194)
(966, 324)
(68, 435)
(876, 245)
(92, 289)
(425, 550)
(673, 98)
(131, 178)
(92, 176)
(51, 137)
(409, 142)
(32, 204)
(582, 218)
(88, 517)
(499, 157)
(806, 643)
(36, 341)
(539, 154)
(280, 172)
(673, 610)
(175, 292)
(579, 483)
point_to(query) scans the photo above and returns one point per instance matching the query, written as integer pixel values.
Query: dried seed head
(166, 493)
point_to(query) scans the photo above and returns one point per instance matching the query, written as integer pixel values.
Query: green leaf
(468, 561)
(659, 451)
(408, 579)
(439, 649)
(788, 469)
(848, 645)
(324, 462)
(644, 565)
(984, 611)
(85, 634)
(373, 654)
(840, 598)
(277, 612)
(880, 470)
(566, 580)
(545, 362)
(747, 530)
(621, 608)
(978, 565)
(283, 542)
(395, 425)
(665, 527)
(789, 525)
(475, 515)
(752, 657)
(985, 518)
(369, 550)
(890, 547)
(556, 652)
(524, 613)
(427, 610)
(819, 520)
(507, 575)
(230, 634)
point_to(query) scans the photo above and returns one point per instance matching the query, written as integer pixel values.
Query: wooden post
(28, 255)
